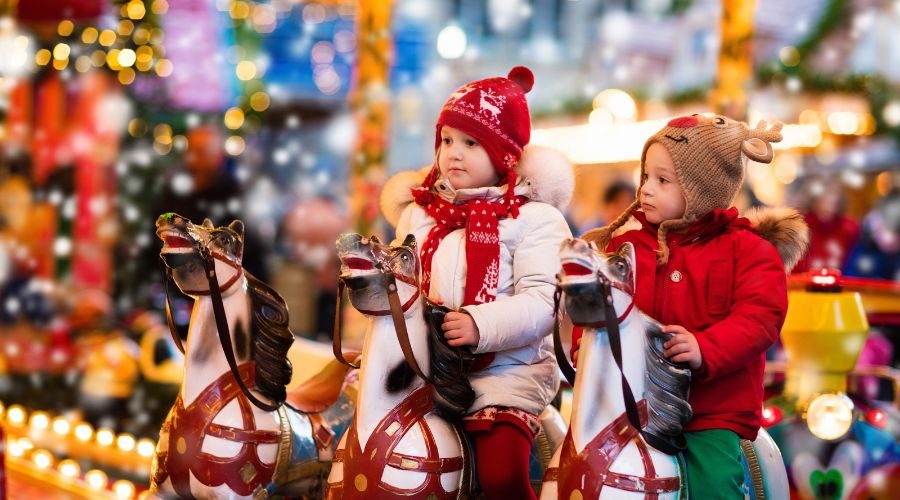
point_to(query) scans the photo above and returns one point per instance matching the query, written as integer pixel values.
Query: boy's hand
(682, 347)
(460, 329)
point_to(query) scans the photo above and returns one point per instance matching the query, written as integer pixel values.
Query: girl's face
(464, 161)
(661, 196)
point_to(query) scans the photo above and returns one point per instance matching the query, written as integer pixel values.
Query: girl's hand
(460, 329)
(682, 347)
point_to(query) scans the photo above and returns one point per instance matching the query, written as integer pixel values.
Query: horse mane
(667, 386)
(271, 338)
(450, 367)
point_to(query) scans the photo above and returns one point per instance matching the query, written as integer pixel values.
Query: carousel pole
(370, 101)
(729, 95)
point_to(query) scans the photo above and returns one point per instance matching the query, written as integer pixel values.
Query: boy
(712, 278)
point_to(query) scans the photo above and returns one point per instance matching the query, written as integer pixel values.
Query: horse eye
(719, 122)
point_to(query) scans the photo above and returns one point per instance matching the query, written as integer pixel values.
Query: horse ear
(238, 227)
(208, 223)
(627, 250)
(410, 241)
(374, 239)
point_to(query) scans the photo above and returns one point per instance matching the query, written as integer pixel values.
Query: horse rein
(396, 311)
(215, 292)
(615, 343)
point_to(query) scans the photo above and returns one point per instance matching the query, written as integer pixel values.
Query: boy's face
(464, 161)
(661, 196)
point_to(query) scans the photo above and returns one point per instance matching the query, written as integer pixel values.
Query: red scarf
(481, 218)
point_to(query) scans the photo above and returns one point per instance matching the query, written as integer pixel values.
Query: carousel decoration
(837, 438)
(51, 452)
(617, 444)
(234, 430)
(405, 438)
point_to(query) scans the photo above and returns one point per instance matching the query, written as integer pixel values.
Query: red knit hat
(495, 113)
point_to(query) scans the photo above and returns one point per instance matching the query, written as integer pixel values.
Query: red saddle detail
(187, 427)
(588, 472)
(363, 468)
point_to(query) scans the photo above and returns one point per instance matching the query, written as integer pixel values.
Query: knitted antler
(766, 133)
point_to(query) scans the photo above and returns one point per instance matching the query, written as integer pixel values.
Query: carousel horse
(619, 447)
(406, 439)
(234, 431)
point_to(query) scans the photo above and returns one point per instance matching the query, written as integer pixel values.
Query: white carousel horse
(603, 455)
(398, 444)
(230, 433)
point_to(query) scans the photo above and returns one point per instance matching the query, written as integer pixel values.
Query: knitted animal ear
(758, 150)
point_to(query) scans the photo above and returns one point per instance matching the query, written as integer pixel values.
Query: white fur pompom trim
(549, 174)
(397, 193)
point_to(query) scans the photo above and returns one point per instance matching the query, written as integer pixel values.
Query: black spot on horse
(400, 377)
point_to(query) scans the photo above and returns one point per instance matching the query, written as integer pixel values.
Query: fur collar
(785, 229)
(544, 174)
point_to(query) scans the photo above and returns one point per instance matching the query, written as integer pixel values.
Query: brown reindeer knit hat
(707, 153)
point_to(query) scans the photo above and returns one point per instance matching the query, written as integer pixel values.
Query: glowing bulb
(125, 442)
(246, 70)
(234, 145)
(127, 57)
(234, 118)
(61, 426)
(135, 9)
(145, 447)
(259, 101)
(107, 38)
(618, 102)
(105, 437)
(61, 51)
(65, 27)
(124, 489)
(84, 432)
(69, 468)
(96, 479)
(829, 416)
(40, 420)
(42, 459)
(452, 42)
(89, 35)
(16, 415)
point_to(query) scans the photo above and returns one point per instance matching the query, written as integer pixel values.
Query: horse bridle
(208, 258)
(611, 323)
(390, 279)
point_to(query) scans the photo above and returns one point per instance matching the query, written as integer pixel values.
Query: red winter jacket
(732, 294)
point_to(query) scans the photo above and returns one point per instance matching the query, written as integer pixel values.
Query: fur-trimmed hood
(544, 175)
(785, 229)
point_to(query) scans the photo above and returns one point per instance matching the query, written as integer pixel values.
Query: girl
(487, 216)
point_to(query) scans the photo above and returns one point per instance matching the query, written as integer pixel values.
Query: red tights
(503, 457)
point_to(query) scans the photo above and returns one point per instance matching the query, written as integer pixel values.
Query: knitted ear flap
(602, 235)
(662, 254)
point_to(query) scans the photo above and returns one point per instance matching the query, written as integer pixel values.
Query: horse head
(367, 267)
(188, 247)
(587, 272)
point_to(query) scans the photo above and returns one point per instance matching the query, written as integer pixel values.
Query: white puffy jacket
(517, 325)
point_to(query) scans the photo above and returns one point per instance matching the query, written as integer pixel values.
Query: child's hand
(460, 329)
(682, 347)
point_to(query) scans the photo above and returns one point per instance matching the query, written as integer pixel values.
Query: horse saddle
(321, 390)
